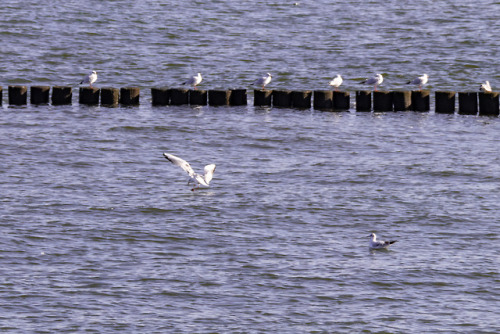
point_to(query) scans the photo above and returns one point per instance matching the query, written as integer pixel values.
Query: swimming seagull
(336, 82)
(265, 80)
(194, 80)
(376, 80)
(485, 87)
(375, 244)
(420, 81)
(90, 79)
(203, 180)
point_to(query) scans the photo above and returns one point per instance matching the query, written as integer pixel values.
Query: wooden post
(323, 99)
(129, 96)
(420, 100)
(401, 100)
(488, 103)
(61, 95)
(262, 97)
(238, 97)
(467, 103)
(445, 102)
(382, 101)
(18, 95)
(39, 94)
(301, 99)
(89, 95)
(110, 96)
(363, 100)
(179, 96)
(198, 97)
(341, 100)
(218, 97)
(282, 98)
(160, 96)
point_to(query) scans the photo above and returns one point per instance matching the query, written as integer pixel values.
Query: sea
(101, 234)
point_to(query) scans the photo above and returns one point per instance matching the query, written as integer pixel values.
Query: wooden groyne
(469, 103)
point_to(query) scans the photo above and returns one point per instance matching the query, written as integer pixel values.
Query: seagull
(194, 80)
(485, 87)
(265, 80)
(375, 244)
(90, 79)
(336, 82)
(203, 180)
(376, 80)
(420, 81)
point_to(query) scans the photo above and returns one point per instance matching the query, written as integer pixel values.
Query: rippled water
(101, 234)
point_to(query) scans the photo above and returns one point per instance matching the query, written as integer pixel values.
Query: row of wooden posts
(445, 101)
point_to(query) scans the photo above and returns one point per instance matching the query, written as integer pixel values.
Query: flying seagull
(376, 244)
(376, 80)
(336, 82)
(485, 87)
(90, 79)
(194, 80)
(265, 80)
(420, 81)
(199, 180)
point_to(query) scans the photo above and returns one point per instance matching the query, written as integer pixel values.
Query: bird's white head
(269, 75)
(373, 236)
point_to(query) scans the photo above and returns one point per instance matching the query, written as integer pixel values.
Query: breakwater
(469, 103)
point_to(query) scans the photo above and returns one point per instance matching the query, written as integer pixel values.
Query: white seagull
(194, 80)
(375, 244)
(420, 81)
(485, 87)
(265, 80)
(336, 82)
(90, 79)
(203, 180)
(376, 80)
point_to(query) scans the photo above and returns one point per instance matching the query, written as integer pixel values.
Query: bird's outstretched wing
(180, 162)
(209, 173)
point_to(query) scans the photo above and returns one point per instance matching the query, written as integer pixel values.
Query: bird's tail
(392, 241)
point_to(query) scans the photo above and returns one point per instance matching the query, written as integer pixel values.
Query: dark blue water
(101, 234)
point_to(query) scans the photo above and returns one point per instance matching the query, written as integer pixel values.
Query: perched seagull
(203, 180)
(485, 87)
(376, 80)
(336, 82)
(90, 79)
(194, 80)
(375, 244)
(420, 81)
(265, 80)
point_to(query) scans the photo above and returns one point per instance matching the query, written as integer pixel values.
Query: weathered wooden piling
(262, 97)
(18, 95)
(39, 94)
(160, 96)
(467, 103)
(61, 95)
(382, 101)
(1, 95)
(179, 96)
(110, 96)
(341, 100)
(445, 102)
(363, 100)
(238, 97)
(89, 95)
(323, 99)
(198, 97)
(420, 100)
(282, 98)
(401, 100)
(301, 99)
(129, 96)
(488, 104)
(218, 97)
